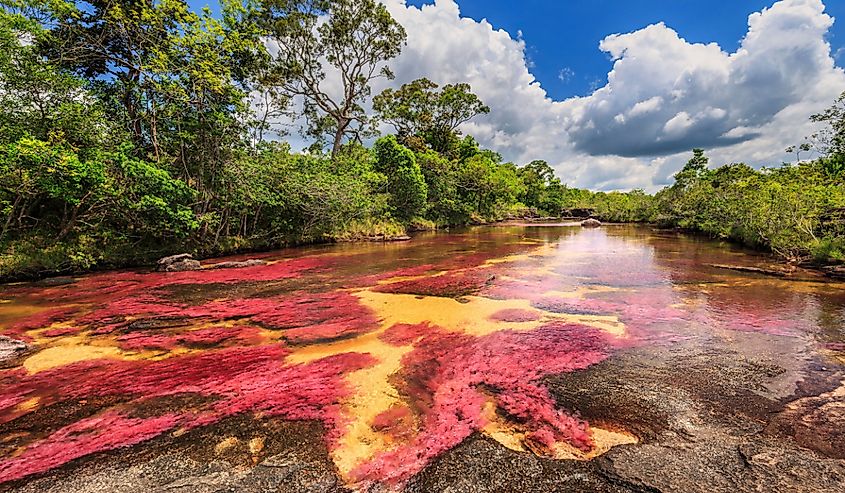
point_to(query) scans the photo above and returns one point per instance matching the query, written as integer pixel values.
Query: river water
(401, 352)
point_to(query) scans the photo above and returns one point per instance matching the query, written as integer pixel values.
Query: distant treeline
(797, 211)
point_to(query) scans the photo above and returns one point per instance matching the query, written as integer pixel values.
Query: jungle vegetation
(131, 129)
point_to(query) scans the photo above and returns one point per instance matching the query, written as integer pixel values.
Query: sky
(562, 37)
(615, 93)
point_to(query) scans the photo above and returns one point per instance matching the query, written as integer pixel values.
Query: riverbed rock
(238, 265)
(776, 272)
(836, 272)
(11, 350)
(184, 265)
(51, 282)
(166, 262)
(591, 223)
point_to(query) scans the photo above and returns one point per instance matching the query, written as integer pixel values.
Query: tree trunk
(131, 107)
(8, 223)
(342, 125)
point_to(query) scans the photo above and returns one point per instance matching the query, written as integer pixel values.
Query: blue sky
(542, 67)
(562, 36)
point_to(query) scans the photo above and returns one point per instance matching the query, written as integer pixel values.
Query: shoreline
(778, 267)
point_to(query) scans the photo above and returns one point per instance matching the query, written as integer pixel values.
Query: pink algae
(452, 376)
(237, 380)
(107, 431)
(209, 337)
(449, 285)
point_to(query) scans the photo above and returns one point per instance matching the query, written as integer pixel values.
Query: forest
(134, 129)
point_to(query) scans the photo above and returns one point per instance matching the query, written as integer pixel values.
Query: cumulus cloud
(663, 96)
(709, 98)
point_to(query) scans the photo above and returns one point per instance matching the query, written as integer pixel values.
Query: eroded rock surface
(11, 350)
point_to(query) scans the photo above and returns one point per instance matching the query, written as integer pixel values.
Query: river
(523, 357)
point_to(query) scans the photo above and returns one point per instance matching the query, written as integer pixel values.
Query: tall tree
(830, 139)
(352, 38)
(418, 109)
(693, 169)
(174, 78)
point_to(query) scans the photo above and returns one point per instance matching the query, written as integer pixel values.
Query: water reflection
(401, 351)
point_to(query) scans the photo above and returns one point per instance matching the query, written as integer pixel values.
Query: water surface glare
(399, 351)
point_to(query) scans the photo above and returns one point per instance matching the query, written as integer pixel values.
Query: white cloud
(566, 74)
(663, 96)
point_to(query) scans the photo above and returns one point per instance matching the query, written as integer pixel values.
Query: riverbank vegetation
(796, 211)
(132, 129)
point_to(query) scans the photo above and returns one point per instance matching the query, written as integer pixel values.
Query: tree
(693, 169)
(36, 98)
(536, 176)
(354, 37)
(486, 186)
(830, 140)
(405, 182)
(169, 75)
(417, 109)
(798, 149)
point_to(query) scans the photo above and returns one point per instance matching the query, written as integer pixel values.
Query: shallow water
(401, 351)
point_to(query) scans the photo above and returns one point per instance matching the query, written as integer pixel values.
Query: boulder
(184, 265)
(11, 350)
(591, 223)
(166, 262)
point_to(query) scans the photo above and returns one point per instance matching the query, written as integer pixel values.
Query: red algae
(239, 379)
(449, 285)
(232, 346)
(105, 432)
(405, 334)
(452, 376)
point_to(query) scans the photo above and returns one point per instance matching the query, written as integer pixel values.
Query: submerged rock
(591, 223)
(238, 265)
(755, 270)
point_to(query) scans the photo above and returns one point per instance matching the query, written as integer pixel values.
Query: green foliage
(486, 186)
(355, 40)
(130, 130)
(405, 182)
(419, 113)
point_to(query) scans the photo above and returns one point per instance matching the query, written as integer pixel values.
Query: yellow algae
(581, 291)
(372, 394)
(225, 445)
(256, 445)
(74, 349)
(603, 440)
(607, 323)
(474, 316)
(61, 355)
(471, 317)
(15, 311)
(512, 436)
(28, 405)
(392, 280)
